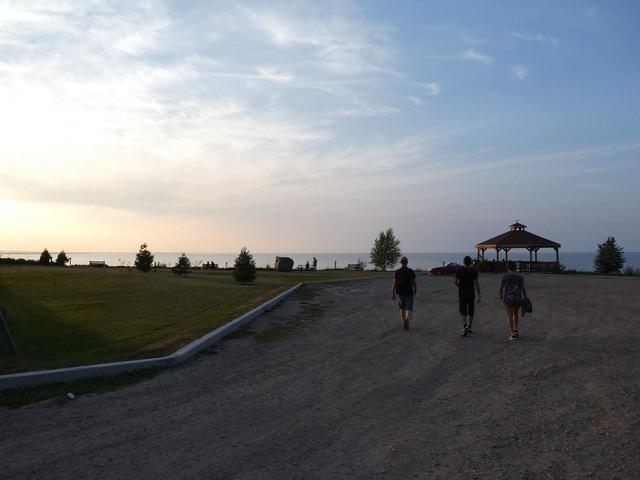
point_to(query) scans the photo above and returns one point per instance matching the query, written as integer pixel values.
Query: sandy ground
(329, 386)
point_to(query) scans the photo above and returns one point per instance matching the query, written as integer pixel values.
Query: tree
(385, 252)
(144, 259)
(62, 259)
(244, 270)
(609, 258)
(45, 257)
(182, 267)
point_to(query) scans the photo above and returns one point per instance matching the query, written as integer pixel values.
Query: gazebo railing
(521, 266)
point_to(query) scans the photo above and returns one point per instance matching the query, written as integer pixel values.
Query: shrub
(483, 266)
(182, 266)
(244, 270)
(62, 259)
(144, 259)
(45, 258)
(610, 257)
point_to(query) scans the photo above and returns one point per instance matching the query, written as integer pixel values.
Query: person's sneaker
(515, 334)
(512, 337)
(465, 331)
(405, 324)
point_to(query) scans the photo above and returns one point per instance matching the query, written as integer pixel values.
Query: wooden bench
(97, 263)
(354, 266)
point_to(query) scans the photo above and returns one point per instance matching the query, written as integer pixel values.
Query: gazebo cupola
(517, 237)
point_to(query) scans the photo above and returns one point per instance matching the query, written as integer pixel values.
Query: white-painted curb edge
(64, 375)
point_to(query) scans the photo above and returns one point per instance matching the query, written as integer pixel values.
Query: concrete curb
(64, 375)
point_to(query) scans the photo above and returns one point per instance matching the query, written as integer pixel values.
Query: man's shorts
(405, 302)
(467, 306)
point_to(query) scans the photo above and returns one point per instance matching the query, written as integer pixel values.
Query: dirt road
(329, 386)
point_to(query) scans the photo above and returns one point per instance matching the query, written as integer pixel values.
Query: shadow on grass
(45, 340)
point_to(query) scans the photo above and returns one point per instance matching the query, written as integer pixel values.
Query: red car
(449, 269)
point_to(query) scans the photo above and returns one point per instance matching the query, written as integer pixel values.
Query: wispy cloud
(520, 72)
(575, 158)
(338, 45)
(432, 88)
(536, 37)
(173, 107)
(368, 111)
(275, 74)
(472, 54)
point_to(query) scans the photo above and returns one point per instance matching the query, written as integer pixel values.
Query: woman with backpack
(512, 292)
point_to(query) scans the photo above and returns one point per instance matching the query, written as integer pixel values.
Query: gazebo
(518, 237)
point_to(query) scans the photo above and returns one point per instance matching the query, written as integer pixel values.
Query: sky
(205, 126)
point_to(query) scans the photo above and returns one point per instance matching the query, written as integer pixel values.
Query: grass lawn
(74, 316)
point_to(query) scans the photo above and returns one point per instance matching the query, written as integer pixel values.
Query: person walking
(404, 285)
(467, 283)
(512, 292)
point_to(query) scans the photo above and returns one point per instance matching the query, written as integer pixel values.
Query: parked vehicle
(449, 269)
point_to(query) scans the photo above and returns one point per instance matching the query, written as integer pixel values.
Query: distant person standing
(404, 285)
(467, 283)
(315, 263)
(512, 292)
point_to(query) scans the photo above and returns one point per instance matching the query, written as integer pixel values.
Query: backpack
(513, 295)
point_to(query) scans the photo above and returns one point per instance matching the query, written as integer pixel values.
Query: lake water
(582, 261)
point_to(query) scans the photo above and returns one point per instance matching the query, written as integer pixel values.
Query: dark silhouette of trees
(45, 258)
(182, 266)
(385, 252)
(244, 270)
(62, 258)
(144, 259)
(609, 258)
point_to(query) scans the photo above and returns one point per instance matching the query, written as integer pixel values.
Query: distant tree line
(244, 270)
(384, 254)
(45, 259)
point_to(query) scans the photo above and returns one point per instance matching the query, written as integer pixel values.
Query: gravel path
(329, 386)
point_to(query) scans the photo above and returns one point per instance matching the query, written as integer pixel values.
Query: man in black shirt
(404, 285)
(467, 283)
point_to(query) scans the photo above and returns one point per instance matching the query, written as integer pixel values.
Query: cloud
(472, 54)
(536, 37)
(229, 115)
(275, 74)
(520, 71)
(432, 88)
(368, 111)
(338, 45)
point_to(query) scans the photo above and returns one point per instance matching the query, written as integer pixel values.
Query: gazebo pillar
(530, 260)
(557, 256)
(497, 254)
(506, 253)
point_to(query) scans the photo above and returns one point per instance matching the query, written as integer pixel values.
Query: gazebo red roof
(517, 237)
